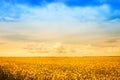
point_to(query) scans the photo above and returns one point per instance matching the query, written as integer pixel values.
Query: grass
(60, 68)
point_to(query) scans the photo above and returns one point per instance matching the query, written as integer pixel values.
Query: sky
(59, 27)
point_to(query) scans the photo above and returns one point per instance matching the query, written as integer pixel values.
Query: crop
(56, 68)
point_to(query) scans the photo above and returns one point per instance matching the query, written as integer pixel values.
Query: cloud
(8, 19)
(21, 38)
(54, 48)
(56, 11)
(59, 49)
(16, 37)
(70, 3)
(60, 12)
(2, 43)
(112, 41)
(71, 33)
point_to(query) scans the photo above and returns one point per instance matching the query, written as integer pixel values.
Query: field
(60, 68)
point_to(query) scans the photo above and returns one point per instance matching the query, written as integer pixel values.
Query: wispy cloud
(57, 11)
(2, 43)
(16, 37)
(59, 49)
(55, 48)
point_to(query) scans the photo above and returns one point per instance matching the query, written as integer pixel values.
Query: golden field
(60, 68)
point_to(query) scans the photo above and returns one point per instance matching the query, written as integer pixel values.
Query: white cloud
(61, 12)
(59, 49)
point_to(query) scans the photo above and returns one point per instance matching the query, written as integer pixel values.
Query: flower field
(60, 68)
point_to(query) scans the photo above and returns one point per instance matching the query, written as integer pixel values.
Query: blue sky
(93, 24)
(12, 10)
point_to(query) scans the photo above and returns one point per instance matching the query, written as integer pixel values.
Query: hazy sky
(59, 27)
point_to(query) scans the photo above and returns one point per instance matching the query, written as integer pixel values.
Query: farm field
(60, 68)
